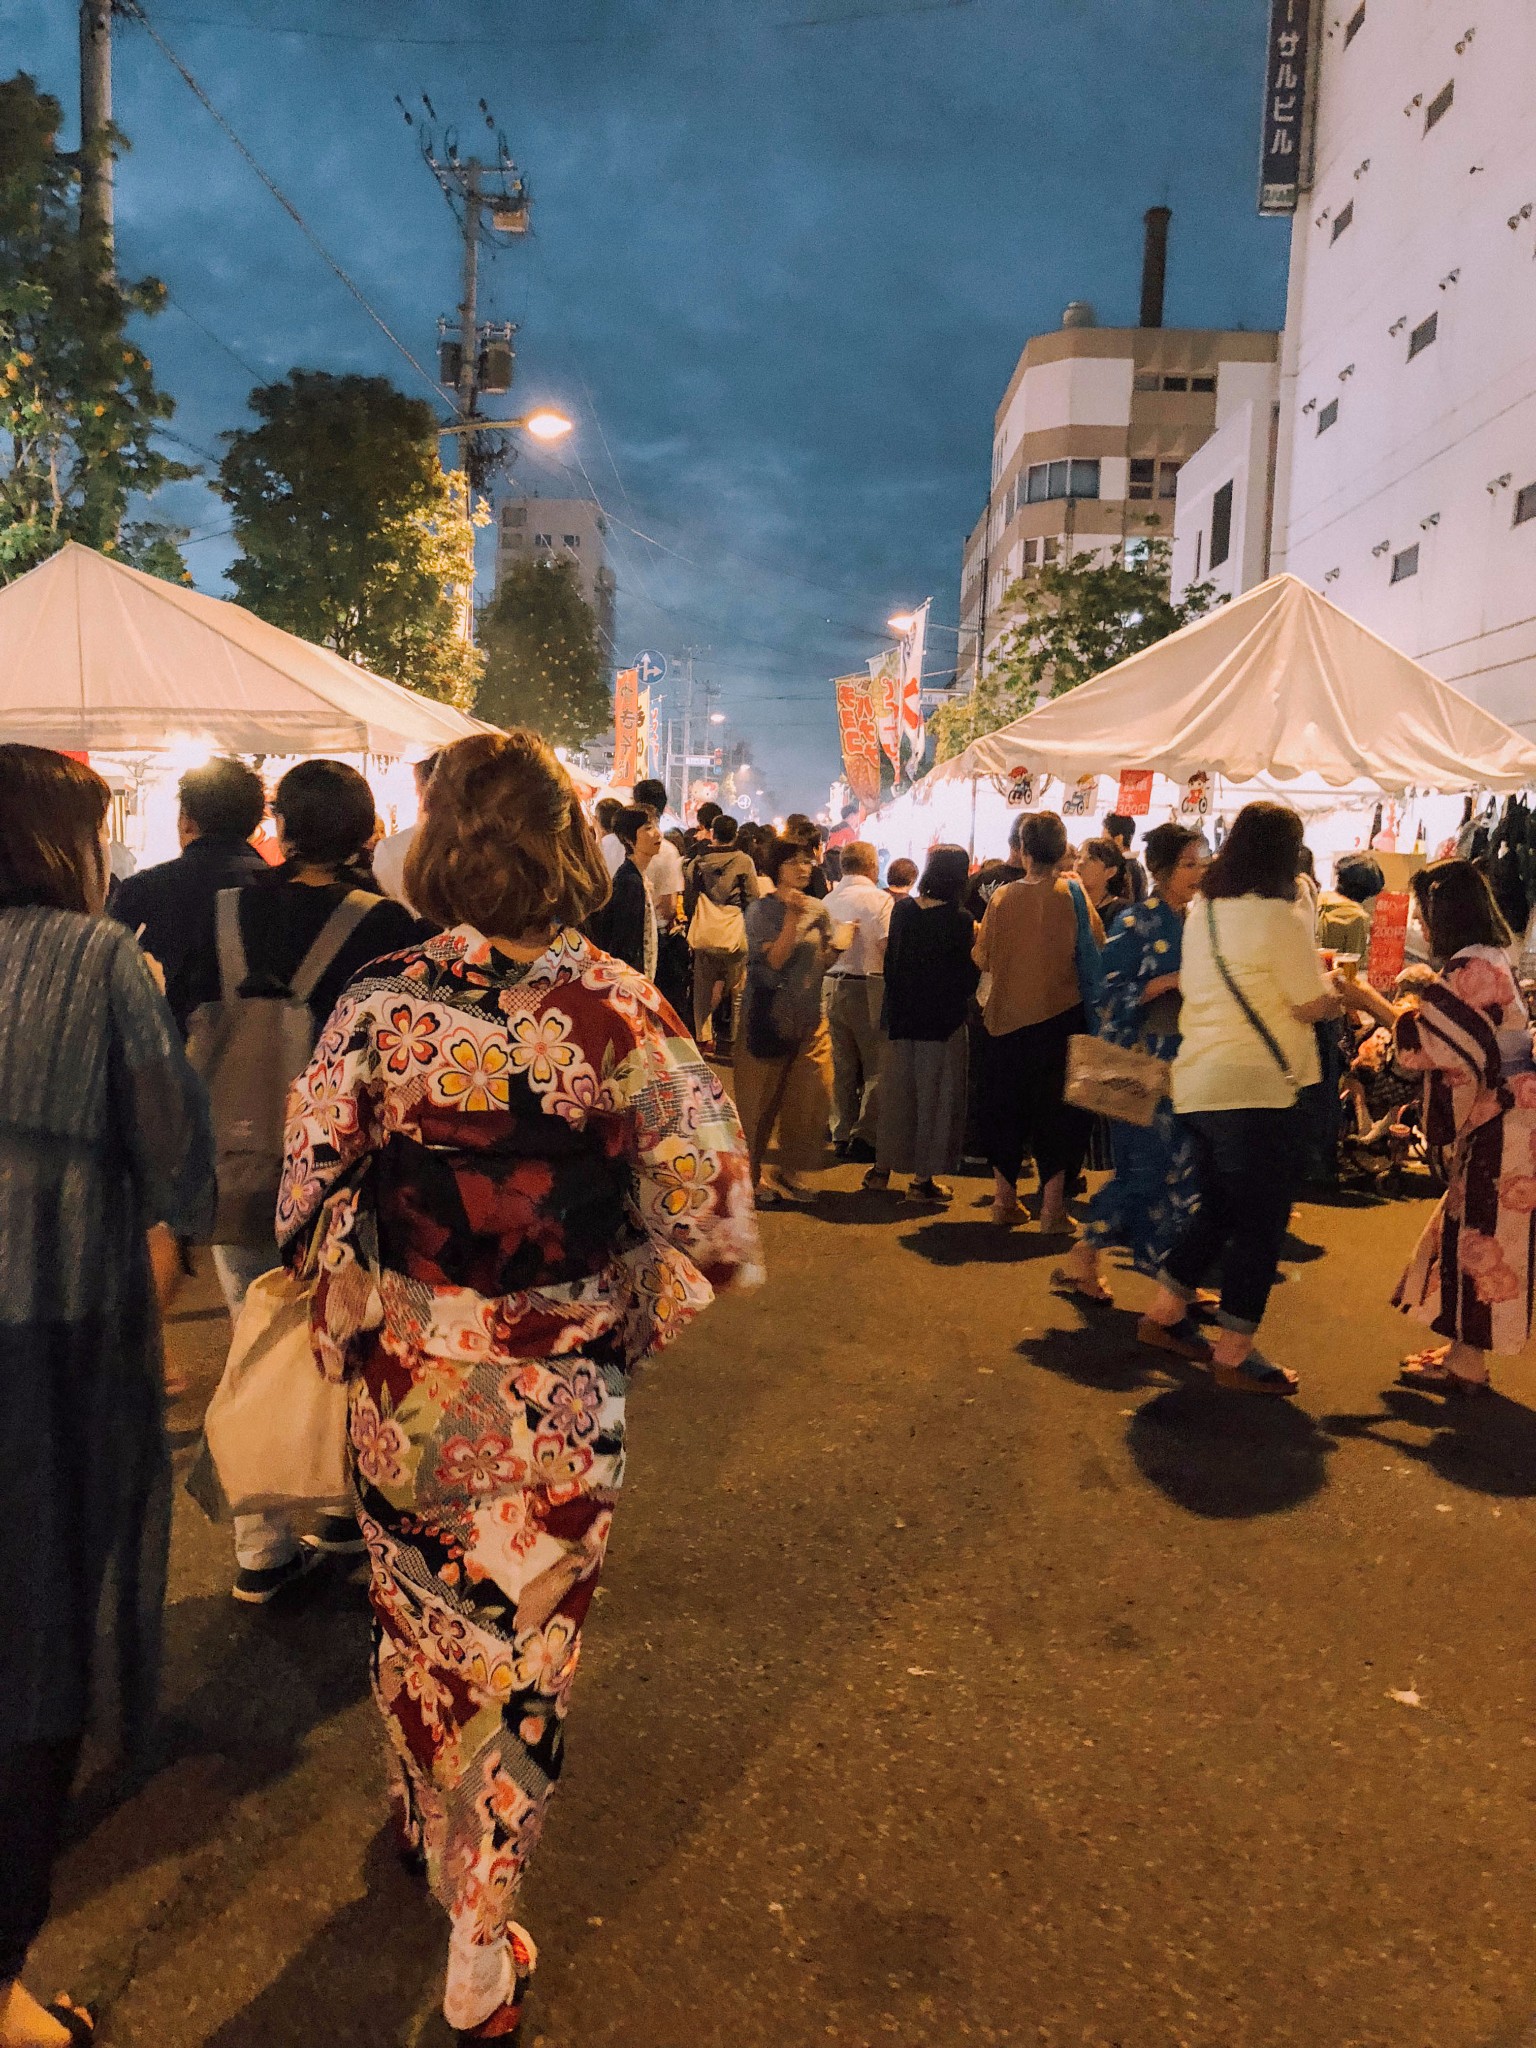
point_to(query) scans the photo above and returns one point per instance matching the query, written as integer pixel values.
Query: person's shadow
(1487, 1446)
(1229, 1456)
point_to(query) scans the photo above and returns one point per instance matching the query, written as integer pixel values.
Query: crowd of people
(443, 1080)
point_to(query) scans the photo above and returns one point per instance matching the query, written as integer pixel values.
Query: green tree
(1064, 624)
(543, 662)
(78, 401)
(351, 532)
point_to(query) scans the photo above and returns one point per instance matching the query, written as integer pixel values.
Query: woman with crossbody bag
(1252, 990)
(783, 1066)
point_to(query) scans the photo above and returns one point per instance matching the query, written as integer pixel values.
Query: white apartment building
(1402, 477)
(1091, 438)
(547, 528)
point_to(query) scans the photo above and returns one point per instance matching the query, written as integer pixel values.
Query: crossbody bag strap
(231, 947)
(1241, 1000)
(333, 935)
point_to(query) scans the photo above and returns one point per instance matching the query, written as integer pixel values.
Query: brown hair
(51, 811)
(503, 844)
(1457, 907)
(1260, 855)
(1043, 839)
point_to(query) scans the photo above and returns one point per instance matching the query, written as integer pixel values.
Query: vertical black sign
(1285, 106)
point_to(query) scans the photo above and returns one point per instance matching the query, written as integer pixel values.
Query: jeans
(265, 1539)
(1249, 1163)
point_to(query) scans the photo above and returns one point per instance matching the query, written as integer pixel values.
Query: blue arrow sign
(650, 668)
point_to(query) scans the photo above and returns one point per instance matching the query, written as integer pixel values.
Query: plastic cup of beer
(1347, 966)
(1325, 958)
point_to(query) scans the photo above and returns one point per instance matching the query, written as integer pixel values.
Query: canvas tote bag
(276, 1429)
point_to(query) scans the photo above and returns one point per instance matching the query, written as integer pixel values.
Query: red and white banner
(885, 689)
(910, 649)
(1389, 939)
(860, 737)
(1135, 796)
(626, 728)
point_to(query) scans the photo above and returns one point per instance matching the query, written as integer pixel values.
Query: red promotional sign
(1389, 939)
(626, 727)
(860, 737)
(1135, 797)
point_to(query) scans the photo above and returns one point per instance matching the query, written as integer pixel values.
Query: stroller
(1382, 1135)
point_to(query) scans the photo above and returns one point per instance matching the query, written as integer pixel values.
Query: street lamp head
(547, 425)
(717, 718)
(902, 622)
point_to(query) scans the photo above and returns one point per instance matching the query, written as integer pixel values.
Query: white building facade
(1402, 480)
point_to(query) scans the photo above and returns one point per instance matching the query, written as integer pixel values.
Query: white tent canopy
(1280, 685)
(95, 656)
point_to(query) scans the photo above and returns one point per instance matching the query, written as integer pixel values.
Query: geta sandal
(1096, 1292)
(1254, 1375)
(1180, 1338)
(1435, 1377)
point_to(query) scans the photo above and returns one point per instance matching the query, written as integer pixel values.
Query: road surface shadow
(1103, 1353)
(958, 1243)
(363, 1978)
(1486, 1446)
(1299, 1251)
(245, 1687)
(1229, 1456)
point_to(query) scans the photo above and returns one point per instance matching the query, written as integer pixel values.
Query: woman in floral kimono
(513, 1177)
(1470, 1276)
(1149, 1198)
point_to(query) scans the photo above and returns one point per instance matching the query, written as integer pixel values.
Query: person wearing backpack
(721, 887)
(284, 948)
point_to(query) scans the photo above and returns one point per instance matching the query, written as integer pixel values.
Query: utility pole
(95, 124)
(469, 326)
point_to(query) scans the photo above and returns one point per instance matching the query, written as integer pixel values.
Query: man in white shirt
(665, 873)
(389, 855)
(855, 997)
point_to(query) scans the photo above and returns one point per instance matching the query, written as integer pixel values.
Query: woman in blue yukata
(1148, 1199)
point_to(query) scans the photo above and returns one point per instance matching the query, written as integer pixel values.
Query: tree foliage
(1064, 624)
(78, 401)
(351, 532)
(543, 661)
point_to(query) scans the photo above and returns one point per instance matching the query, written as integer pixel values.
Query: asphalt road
(958, 1676)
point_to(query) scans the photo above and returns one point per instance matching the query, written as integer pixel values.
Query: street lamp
(717, 718)
(544, 425)
(902, 622)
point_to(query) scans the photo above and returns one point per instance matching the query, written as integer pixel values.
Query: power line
(218, 340)
(281, 197)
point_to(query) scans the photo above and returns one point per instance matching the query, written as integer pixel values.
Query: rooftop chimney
(1154, 265)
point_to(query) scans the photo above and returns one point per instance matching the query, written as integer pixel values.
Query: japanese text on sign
(1285, 106)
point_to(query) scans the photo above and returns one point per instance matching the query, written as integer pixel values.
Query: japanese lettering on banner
(885, 690)
(1389, 939)
(1285, 106)
(1134, 797)
(626, 728)
(861, 740)
(1082, 799)
(642, 736)
(910, 648)
(1195, 799)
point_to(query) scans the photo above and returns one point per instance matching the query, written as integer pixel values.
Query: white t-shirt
(665, 873)
(864, 904)
(389, 863)
(614, 851)
(1223, 1063)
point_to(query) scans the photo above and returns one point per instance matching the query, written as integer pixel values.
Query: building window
(1342, 219)
(1199, 544)
(1205, 384)
(1167, 479)
(1048, 551)
(1423, 335)
(543, 540)
(1143, 477)
(1146, 380)
(1327, 415)
(572, 540)
(1084, 480)
(1031, 553)
(1525, 504)
(1061, 480)
(1221, 526)
(1354, 25)
(1405, 564)
(1440, 104)
(1175, 383)
(514, 515)
(1137, 552)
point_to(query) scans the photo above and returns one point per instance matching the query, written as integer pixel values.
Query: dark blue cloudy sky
(786, 254)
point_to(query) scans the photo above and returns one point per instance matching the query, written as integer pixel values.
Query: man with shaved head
(855, 997)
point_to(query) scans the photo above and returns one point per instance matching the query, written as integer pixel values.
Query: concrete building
(547, 528)
(1404, 464)
(1091, 436)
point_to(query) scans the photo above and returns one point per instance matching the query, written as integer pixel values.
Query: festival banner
(1134, 799)
(642, 735)
(626, 728)
(860, 738)
(1020, 787)
(1389, 939)
(911, 649)
(1195, 799)
(885, 689)
(1082, 799)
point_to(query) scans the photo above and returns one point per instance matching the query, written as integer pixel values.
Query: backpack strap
(231, 947)
(333, 935)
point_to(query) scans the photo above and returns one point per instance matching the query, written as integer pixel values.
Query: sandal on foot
(1436, 1377)
(78, 2022)
(931, 1190)
(1096, 1291)
(1181, 1338)
(876, 1181)
(1254, 1375)
(1062, 1225)
(1007, 1214)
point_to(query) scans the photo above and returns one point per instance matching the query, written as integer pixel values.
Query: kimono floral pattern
(510, 1184)
(1152, 1194)
(1471, 1273)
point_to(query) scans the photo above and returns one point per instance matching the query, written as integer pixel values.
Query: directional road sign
(650, 668)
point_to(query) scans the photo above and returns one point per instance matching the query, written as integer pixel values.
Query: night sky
(786, 253)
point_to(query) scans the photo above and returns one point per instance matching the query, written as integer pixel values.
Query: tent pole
(973, 817)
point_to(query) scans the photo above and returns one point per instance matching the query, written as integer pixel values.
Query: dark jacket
(930, 976)
(174, 903)
(619, 927)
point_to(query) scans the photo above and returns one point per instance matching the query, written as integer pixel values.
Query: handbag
(1090, 961)
(767, 1036)
(1244, 1005)
(276, 1429)
(1114, 1080)
(716, 927)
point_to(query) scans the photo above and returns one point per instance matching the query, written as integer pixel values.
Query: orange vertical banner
(626, 727)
